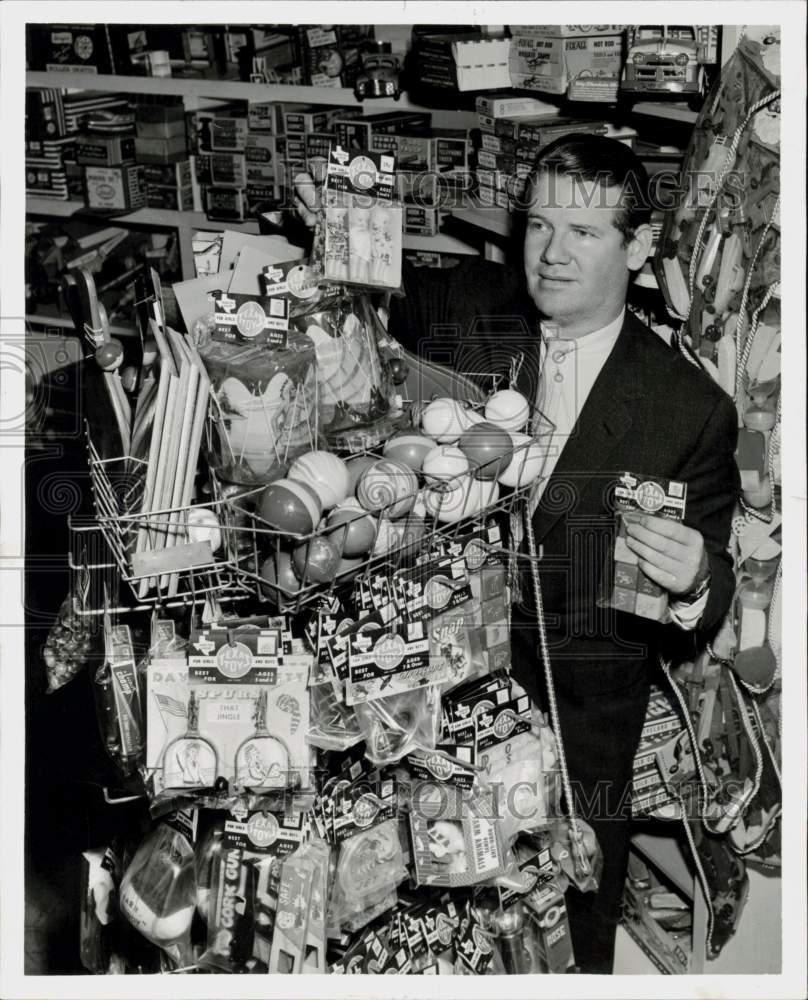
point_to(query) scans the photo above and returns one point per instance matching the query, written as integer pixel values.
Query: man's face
(576, 263)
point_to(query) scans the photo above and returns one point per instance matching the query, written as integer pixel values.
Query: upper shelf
(164, 219)
(198, 87)
(239, 90)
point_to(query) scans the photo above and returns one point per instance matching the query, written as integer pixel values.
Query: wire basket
(173, 556)
(295, 570)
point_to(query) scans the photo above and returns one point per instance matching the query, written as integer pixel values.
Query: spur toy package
(238, 711)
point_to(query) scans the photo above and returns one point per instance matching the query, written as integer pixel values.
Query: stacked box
(162, 139)
(115, 188)
(44, 113)
(304, 118)
(331, 53)
(352, 133)
(96, 150)
(507, 146)
(77, 106)
(48, 167)
(581, 61)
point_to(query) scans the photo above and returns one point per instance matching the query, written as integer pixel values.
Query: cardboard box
(162, 114)
(357, 134)
(225, 204)
(105, 150)
(69, 48)
(42, 180)
(118, 188)
(304, 118)
(161, 150)
(463, 61)
(228, 170)
(264, 116)
(262, 155)
(331, 53)
(262, 198)
(177, 174)
(421, 220)
(584, 62)
(174, 199)
(220, 130)
(513, 106)
(161, 130)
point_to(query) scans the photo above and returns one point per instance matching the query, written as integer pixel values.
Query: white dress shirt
(569, 369)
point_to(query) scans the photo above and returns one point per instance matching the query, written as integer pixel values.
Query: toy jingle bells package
(363, 225)
(631, 590)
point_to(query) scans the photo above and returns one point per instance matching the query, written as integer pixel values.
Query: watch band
(692, 596)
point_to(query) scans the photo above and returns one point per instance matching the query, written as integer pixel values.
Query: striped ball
(290, 505)
(409, 448)
(387, 487)
(326, 473)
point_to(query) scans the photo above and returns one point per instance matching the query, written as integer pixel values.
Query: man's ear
(639, 247)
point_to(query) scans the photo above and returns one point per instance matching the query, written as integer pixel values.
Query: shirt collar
(598, 341)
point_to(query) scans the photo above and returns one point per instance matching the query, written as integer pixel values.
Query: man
(618, 399)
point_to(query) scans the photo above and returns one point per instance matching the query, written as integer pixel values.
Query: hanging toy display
(354, 387)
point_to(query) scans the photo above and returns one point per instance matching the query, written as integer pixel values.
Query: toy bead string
(729, 163)
(548, 675)
(753, 326)
(775, 645)
(770, 456)
(750, 735)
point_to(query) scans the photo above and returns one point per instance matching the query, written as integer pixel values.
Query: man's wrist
(697, 591)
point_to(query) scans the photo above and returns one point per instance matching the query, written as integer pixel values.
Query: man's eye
(582, 232)
(536, 225)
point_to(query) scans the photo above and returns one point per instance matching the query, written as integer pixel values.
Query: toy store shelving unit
(482, 231)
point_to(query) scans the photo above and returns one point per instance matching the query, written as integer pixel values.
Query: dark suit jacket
(650, 411)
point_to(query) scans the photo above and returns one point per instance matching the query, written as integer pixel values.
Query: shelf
(51, 207)
(165, 219)
(492, 220)
(670, 112)
(211, 88)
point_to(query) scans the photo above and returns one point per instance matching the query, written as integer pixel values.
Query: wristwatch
(699, 591)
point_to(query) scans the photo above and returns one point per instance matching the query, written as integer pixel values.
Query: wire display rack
(397, 540)
(166, 557)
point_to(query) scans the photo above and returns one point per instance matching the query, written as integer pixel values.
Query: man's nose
(555, 249)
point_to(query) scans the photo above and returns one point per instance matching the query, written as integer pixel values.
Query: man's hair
(607, 161)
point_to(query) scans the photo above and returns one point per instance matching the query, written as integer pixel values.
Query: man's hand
(670, 553)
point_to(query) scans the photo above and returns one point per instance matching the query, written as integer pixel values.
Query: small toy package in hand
(158, 891)
(363, 225)
(627, 586)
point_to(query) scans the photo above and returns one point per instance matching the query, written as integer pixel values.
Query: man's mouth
(554, 278)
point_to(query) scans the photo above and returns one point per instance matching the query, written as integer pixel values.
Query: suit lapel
(602, 424)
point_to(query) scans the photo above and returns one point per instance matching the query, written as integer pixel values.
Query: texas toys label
(391, 662)
(220, 656)
(650, 495)
(253, 318)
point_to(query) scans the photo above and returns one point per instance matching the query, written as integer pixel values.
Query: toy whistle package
(627, 588)
(363, 225)
(237, 710)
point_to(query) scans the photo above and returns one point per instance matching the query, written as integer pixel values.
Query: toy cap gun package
(629, 589)
(363, 224)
